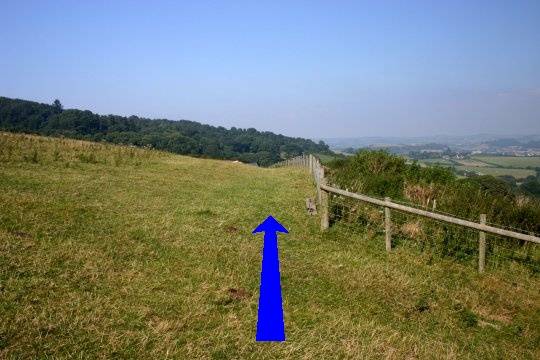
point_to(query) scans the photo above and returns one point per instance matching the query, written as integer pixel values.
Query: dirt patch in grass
(238, 294)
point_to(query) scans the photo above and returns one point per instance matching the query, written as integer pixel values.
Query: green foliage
(531, 186)
(380, 174)
(432, 174)
(375, 172)
(181, 137)
(57, 106)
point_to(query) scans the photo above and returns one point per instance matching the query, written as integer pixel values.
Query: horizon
(312, 70)
(437, 135)
(498, 136)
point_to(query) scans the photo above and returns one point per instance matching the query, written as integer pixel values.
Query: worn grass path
(120, 252)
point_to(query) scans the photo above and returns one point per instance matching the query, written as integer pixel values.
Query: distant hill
(182, 137)
(456, 142)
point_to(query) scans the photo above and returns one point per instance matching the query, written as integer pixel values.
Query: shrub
(380, 174)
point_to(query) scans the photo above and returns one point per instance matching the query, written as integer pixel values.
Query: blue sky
(303, 68)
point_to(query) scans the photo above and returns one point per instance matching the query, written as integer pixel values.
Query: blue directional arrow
(270, 325)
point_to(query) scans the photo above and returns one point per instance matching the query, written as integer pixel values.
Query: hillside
(181, 137)
(116, 251)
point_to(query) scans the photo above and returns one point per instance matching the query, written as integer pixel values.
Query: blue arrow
(270, 325)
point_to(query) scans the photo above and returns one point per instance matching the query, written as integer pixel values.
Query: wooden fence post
(320, 178)
(324, 195)
(482, 246)
(387, 226)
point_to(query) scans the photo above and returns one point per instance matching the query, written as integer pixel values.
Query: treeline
(181, 137)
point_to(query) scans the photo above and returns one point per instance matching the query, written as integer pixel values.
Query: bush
(380, 174)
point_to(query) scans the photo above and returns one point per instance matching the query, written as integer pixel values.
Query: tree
(531, 186)
(183, 137)
(57, 105)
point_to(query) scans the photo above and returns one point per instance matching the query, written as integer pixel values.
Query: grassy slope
(510, 161)
(496, 171)
(110, 251)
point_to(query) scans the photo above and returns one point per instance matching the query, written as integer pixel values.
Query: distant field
(436, 161)
(517, 173)
(510, 161)
(491, 165)
(472, 162)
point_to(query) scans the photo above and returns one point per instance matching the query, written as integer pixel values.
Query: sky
(301, 68)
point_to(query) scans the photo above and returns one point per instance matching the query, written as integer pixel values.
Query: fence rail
(323, 190)
(433, 215)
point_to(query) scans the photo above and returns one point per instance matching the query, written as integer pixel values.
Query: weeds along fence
(425, 228)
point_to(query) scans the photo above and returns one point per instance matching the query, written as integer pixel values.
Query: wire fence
(496, 247)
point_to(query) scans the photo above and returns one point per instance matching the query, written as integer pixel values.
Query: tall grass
(15, 148)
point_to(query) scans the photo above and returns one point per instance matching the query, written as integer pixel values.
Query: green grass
(510, 161)
(515, 166)
(436, 161)
(117, 252)
(472, 162)
(495, 171)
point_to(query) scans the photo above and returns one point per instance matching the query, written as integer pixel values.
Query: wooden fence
(323, 190)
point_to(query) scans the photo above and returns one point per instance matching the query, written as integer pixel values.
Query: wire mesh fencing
(367, 220)
(357, 220)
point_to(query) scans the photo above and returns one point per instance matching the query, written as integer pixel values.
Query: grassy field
(495, 171)
(472, 162)
(117, 252)
(510, 161)
(436, 161)
(515, 166)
